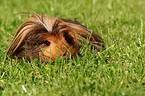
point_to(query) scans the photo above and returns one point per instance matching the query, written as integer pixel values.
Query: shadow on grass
(1, 89)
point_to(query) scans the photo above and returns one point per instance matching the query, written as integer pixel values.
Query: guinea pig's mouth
(65, 53)
(68, 54)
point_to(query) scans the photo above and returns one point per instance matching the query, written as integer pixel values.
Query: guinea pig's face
(47, 46)
(57, 46)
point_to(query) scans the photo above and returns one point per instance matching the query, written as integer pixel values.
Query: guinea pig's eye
(46, 43)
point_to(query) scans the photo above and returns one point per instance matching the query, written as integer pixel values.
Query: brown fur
(64, 37)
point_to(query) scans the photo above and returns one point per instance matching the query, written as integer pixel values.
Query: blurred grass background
(119, 70)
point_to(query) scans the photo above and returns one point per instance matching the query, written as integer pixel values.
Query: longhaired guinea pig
(46, 37)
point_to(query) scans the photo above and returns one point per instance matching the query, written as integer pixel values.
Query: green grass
(119, 70)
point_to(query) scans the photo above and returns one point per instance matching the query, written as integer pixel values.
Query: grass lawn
(119, 70)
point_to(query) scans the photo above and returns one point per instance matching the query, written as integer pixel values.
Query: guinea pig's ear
(70, 38)
(82, 33)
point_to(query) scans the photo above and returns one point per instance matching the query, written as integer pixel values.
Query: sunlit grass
(119, 70)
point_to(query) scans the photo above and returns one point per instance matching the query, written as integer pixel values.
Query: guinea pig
(46, 37)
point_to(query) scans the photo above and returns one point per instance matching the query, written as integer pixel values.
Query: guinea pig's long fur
(46, 37)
